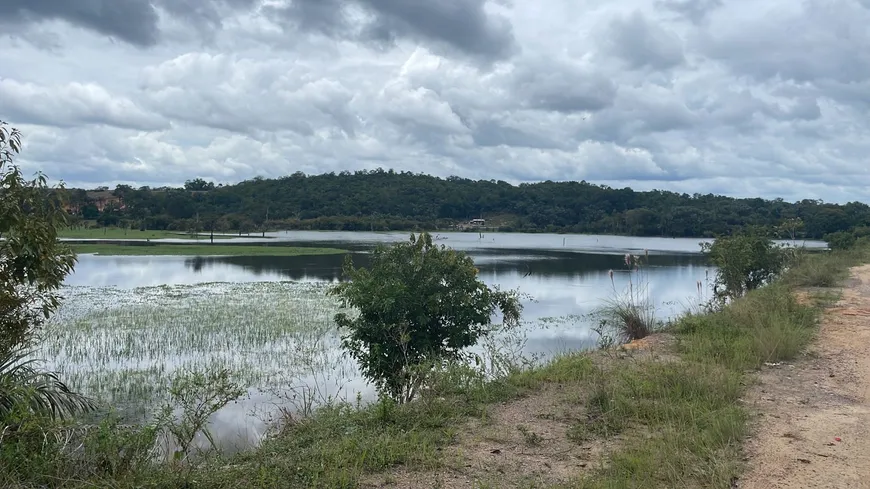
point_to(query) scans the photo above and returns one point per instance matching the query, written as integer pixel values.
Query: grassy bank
(119, 233)
(197, 249)
(674, 420)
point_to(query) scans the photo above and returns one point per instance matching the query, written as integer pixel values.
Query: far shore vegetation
(197, 249)
(386, 200)
(114, 232)
(622, 416)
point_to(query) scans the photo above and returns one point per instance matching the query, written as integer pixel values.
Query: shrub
(744, 262)
(198, 394)
(841, 240)
(419, 305)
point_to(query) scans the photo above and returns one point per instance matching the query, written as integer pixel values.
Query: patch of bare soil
(523, 443)
(813, 429)
(526, 442)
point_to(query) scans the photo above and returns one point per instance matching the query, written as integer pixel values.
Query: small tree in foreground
(418, 305)
(744, 262)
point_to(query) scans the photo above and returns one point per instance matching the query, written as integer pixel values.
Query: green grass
(184, 249)
(681, 422)
(681, 425)
(119, 233)
(824, 269)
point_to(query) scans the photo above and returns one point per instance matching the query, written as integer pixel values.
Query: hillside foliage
(383, 200)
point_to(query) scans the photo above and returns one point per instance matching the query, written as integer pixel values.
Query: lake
(128, 322)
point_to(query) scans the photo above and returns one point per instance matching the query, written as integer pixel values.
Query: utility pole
(266, 221)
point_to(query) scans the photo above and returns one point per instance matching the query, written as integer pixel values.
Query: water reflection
(562, 283)
(565, 285)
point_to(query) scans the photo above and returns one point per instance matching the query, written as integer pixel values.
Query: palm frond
(24, 387)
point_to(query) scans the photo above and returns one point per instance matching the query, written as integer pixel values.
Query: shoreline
(197, 249)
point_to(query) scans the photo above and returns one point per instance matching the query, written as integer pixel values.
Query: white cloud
(689, 95)
(73, 104)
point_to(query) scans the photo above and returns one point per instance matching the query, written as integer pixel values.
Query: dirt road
(814, 427)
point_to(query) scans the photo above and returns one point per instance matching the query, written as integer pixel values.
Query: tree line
(383, 200)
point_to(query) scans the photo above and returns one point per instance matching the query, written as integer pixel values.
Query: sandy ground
(813, 429)
(523, 444)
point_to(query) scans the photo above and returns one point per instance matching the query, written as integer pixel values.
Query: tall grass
(824, 269)
(629, 314)
(681, 425)
(768, 325)
(123, 346)
(681, 421)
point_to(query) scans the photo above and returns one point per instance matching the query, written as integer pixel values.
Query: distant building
(477, 222)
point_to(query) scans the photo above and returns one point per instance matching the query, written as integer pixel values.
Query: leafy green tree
(198, 184)
(418, 305)
(33, 265)
(745, 262)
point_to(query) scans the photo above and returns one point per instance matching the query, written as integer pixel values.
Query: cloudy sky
(742, 97)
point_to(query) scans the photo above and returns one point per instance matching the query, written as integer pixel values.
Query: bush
(841, 240)
(419, 305)
(33, 265)
(744, 262)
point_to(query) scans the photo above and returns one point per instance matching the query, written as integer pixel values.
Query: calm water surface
(566, 276)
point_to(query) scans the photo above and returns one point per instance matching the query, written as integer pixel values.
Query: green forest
(383, 200)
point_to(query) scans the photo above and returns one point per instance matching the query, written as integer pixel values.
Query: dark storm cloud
(462, 26)
(132, 21)
(459, 25)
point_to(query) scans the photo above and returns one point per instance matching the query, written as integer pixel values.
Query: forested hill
(387, 200)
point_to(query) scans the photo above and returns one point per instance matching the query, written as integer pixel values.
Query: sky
(734, 97)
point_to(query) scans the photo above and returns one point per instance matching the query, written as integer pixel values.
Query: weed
(766, 326)
(821, 269)
(530, 438)
(198, 395)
